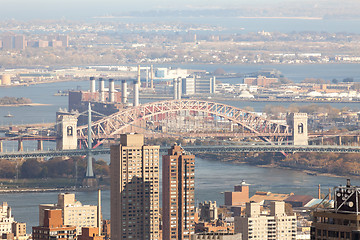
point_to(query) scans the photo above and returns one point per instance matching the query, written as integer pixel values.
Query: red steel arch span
(116, 123)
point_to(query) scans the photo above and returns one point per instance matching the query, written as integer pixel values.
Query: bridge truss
(158, 112)
(195, 150)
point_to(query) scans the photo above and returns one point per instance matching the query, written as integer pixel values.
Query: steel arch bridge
(117, 123)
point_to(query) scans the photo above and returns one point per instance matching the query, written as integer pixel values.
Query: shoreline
(44, 190)
(25, 105)
(308, 172)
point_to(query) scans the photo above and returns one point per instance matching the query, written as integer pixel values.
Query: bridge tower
(66, 130)
(299, 126)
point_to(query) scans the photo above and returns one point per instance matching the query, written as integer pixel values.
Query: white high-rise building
(276, 226)
(6, 219)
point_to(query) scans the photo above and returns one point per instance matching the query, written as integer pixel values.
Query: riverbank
(278, 162)
(25, 105)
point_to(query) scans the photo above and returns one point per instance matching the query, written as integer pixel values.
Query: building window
(300, 128)
(69, 130)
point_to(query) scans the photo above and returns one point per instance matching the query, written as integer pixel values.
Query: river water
(212, 177)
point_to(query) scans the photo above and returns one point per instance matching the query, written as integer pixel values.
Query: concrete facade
(217, 236)
(67, 131)
(208, 211)
(134, 189)
(299, 125)
(239, 196)
(6, 219)
(74, 213)
(276, 226)
(52, 227)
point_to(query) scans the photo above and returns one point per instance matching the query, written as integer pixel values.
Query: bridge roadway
(195, 149)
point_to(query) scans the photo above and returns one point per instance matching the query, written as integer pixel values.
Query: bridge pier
(299, 125)
(322, 140)
(66, 131)
(20, 145)
(339, 140)
(40, 145)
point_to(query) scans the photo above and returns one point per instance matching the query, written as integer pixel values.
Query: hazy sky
(40, 9)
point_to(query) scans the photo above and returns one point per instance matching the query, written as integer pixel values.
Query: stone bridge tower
(66, 127)
(299, 127)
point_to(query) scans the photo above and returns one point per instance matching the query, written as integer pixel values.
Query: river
(212, 178)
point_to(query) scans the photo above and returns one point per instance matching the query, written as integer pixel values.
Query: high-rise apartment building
(52, 227)
(178, 194)
(74, 213)
(276, 226)
(134, 189)
(14, 42)
(9, 229)
(19, 42)
(6, 219)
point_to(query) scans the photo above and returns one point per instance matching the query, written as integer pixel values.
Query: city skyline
(80, 9)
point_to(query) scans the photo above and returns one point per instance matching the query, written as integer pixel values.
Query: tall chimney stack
(136, 94)
(92, 85)
(138, 76)
(99, 212)
(319, 192)
(175, 82)
(102, 90)
(179, 88)
(152, 76)
(124, 91)
(111, 90)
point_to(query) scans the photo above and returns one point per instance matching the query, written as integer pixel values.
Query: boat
(9, 115)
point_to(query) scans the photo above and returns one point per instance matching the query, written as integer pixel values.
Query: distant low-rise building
(217, 236)
(90, 233)
(261, 81)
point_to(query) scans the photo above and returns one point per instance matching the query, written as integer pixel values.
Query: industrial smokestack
(175, 82)
(152, 76)
(136, 94)
(124, 91)
(138, 75)
(111, 90)
(99, 212)
(213, 85)
(179, 88)
(102, 90)
(92, 85)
